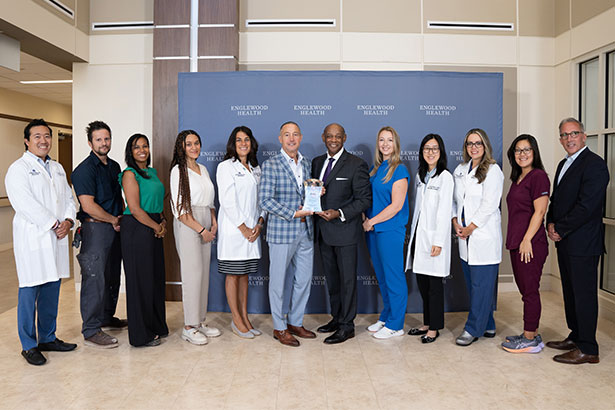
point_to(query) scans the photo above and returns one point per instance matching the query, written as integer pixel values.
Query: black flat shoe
(329, 327)
(56, 346)
(339, 336)
(34, 356)
(429, 339)
(489, 333)
(415, 331)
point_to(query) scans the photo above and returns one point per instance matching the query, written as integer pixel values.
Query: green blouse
(151, 191)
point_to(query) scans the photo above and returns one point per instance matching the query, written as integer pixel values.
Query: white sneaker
(209, 331)
(193, 336)
(386, 333)
(376, 326)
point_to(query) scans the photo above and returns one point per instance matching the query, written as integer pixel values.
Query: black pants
(340, 269)
(432, 292)
(100, 260)
(579, 276)
(145, 281)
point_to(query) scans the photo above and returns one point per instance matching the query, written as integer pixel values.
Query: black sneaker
(115, 323)
(56, 346)
(34, 356)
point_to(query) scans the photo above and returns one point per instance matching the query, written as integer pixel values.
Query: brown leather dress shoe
(576, 356)
(565, 344)
(301, 332)
(285, 338)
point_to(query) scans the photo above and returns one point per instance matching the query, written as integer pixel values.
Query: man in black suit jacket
(338, 228)
(574, 223)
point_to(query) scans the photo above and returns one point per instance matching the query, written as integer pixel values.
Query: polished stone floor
(363, 373)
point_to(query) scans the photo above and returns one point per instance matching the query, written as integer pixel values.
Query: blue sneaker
(514, 337)
(523, 345)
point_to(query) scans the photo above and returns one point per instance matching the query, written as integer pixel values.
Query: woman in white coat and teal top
(477, 223)
(241, 222)
(429, 253)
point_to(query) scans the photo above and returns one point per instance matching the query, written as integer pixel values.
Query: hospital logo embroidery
(34, 172)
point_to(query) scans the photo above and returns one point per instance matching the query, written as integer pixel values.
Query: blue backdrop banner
(415, 103)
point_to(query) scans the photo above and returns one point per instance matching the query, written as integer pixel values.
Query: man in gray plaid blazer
(289, 234)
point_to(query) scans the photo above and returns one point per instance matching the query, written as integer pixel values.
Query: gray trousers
(194, 258)
(100, 261)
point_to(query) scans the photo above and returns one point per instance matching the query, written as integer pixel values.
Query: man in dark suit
(574, 223)
(338, 228)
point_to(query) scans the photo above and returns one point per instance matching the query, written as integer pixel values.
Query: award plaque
(313, 188)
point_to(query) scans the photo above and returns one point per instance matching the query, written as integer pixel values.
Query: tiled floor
(363, 373)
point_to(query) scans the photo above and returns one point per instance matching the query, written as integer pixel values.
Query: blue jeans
(41, 301)
(386, 250)
(480, 281)
(294, 260)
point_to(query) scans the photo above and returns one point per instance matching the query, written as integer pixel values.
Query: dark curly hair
(183, 200)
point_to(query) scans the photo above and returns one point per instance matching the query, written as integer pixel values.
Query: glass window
(610, 103)
(610, 190)
(608, 266)
(589, 94)
(592, 143)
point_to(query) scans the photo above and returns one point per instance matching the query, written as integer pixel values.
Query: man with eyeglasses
(574, 223)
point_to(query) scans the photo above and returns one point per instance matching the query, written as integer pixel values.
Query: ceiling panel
(32, 68)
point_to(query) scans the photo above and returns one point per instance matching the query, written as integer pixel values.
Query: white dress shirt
(569, 160)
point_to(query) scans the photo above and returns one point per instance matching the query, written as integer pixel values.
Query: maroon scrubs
(520, 201)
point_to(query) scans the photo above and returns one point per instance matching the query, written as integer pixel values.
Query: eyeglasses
(571, 134)
(477, 144)
(525, 151)
(430, 150)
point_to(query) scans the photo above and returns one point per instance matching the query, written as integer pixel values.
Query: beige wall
(115, 87)
(44, 22)
(11, 140)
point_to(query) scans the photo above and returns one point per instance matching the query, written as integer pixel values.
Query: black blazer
(348, 189)
(577, 205)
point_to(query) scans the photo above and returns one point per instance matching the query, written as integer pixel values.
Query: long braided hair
(182, 202)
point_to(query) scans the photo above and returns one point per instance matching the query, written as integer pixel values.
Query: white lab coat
(431, 225)
(39, 201)
(238, 196)
(482, 207)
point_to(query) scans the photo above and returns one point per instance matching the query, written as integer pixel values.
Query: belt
(303, 219)
(93, 220)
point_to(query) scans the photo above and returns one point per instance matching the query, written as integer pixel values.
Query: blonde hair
(394, 160)
(486, 160)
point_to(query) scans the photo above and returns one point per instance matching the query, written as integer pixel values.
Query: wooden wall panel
(218, 11)
(164, 129)
(171, 12)
(218, 41)
(171, 42)
(217, 65)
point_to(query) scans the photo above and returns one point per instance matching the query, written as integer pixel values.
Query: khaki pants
(194, 257)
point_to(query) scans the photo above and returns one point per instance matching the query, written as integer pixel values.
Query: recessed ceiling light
(47, 82)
